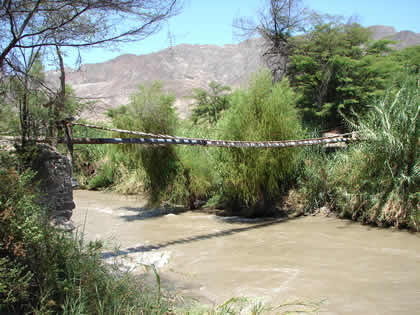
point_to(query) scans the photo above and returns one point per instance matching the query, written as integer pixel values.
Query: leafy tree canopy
(336, 68)
(209, 105)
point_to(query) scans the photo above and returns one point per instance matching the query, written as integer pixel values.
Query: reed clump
(376, 180)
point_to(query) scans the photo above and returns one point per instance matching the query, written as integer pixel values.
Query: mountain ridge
(182, 68)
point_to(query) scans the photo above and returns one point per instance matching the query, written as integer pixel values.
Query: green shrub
(199, 177)
(45, 271)
(151, 110)
(381, 175)
(88, 159)
(178, 174)
(19, 229)
(255, 178)
(374, 181)
(313, 181)
(209, 105)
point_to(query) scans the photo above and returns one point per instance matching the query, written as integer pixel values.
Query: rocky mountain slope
(183, 68)
(404, 38)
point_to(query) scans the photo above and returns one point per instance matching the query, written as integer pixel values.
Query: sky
(210, 22)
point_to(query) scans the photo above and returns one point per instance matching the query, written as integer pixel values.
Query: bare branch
(79, 23)
(277, 22)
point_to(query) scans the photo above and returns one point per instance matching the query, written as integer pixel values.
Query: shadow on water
(147, 248)
(144, 213)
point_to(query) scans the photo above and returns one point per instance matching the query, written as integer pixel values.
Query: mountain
(404, 38)
(182, 68)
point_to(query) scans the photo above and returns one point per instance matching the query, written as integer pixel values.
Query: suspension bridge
(145, 138)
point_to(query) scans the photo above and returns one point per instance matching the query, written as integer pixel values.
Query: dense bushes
(151, 110)
(382, 179)
(44, 271)
(336, 68)
(164, 173)
(253, 178)
(374, 181)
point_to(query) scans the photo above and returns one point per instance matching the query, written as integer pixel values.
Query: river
(353, 269)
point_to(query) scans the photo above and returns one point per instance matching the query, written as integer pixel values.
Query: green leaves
(374, 181)
(337, 70)
(209, 105)
(151, 110)
(254, 178)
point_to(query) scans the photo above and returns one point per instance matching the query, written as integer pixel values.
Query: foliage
(9, 118)
(254, 178)
(87, 158)
(337, 69)
(32, 112)
(209, 105)
(34, 31)
(45, 271)
(314, 180)
(35, 24)
(198, 164)
(24, 94)
(18, 218)
(409, 58)
(377, 180)
(151, 110)
(174, 174)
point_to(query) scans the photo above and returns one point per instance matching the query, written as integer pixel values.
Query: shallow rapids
(355, 269)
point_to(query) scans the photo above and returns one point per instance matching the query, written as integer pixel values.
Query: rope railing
(159, 139)
(163, 140)
(138, 133)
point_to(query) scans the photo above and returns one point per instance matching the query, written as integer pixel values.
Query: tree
(26, 24)
(24, 90)
(277, 22)
(39, 29)
(38, 108)
(410, 59)
(208, 105)
(337, 69)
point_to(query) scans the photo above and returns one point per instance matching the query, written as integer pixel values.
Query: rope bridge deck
(163, 140)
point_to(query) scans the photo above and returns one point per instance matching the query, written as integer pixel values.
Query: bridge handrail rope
(138, 133)
(158, 139)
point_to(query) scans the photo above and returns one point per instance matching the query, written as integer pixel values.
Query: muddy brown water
(354, 269)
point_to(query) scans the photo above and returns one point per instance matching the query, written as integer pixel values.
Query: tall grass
(375, 181)
(152, 110)
(254, 179)
(106, 166)
(90, 160)
(383, 183)
(314, 180)
(198, 164)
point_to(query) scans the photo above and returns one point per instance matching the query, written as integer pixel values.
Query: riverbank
(355, 268)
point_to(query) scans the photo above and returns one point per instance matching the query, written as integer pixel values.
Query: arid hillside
(182, 68)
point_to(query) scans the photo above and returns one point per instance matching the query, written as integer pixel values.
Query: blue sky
(210, 22)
